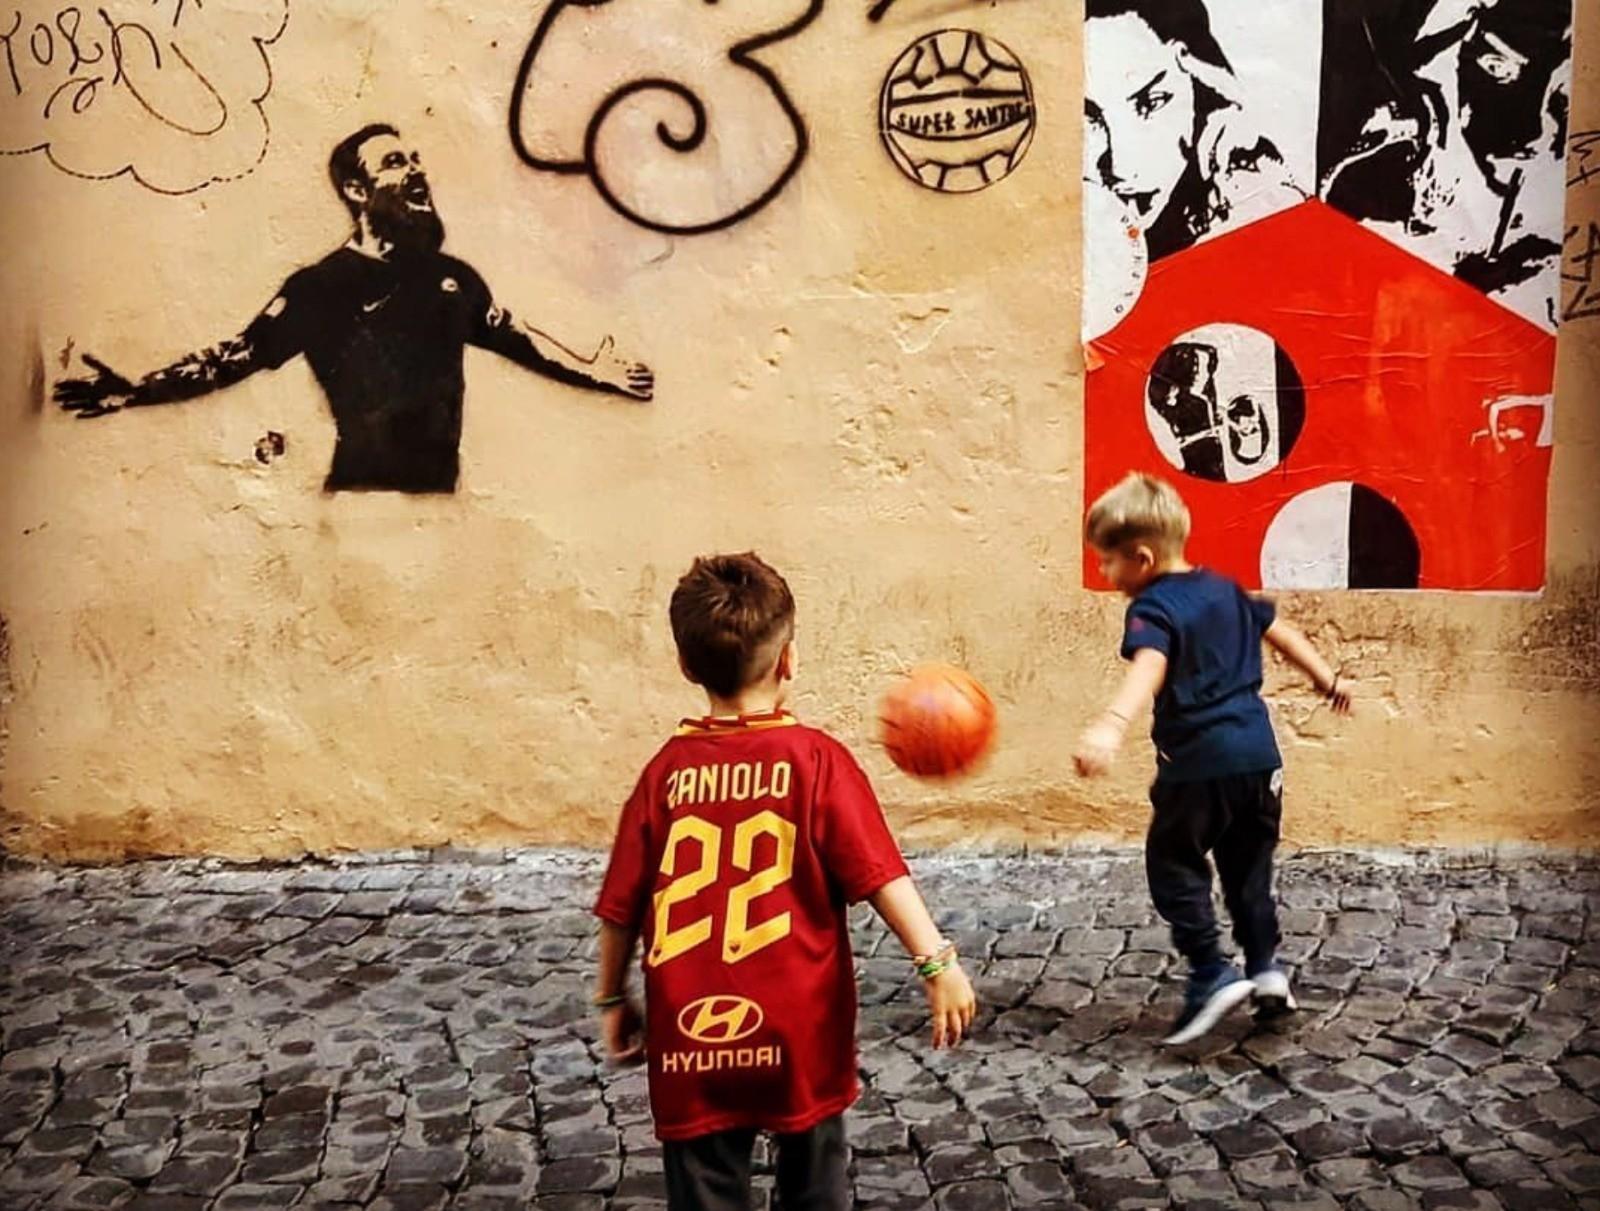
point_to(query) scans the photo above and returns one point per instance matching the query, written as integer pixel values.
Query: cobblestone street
(413, 1034)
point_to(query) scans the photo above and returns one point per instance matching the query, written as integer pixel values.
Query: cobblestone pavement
(413, 1034)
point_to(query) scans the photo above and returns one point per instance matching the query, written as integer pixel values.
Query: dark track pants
(712, 1172)
(1235, 819)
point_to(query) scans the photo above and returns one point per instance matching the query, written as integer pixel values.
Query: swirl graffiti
(646, 141)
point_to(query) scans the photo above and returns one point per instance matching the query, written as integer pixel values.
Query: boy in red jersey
(745, 839)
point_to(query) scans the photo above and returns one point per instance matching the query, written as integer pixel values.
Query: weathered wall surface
(876, 384)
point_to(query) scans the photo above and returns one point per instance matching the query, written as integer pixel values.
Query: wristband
(610, 1002)
(936, 964)
(945, 949)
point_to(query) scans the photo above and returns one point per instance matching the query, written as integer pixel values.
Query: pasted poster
(1323, 274)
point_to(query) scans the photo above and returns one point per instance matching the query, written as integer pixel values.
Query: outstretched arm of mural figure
(196, 374)
(1300, 652)
(527, 346)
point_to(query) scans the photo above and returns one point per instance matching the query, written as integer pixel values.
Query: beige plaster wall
(877, 386)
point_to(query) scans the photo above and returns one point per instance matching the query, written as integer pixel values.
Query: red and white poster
(1322, 274)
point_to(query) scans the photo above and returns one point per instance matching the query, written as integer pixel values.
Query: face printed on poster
(1443, 127)
(1199, 116)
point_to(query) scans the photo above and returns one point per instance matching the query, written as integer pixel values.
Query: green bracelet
(935, 967)
(610, 1002)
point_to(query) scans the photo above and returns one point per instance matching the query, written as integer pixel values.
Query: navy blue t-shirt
(1209, 718)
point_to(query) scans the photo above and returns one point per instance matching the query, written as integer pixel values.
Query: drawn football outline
(956, 112)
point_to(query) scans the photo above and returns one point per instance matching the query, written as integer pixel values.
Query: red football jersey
(736, 856)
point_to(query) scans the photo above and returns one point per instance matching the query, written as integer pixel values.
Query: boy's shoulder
(785, 733)
(1182, 590)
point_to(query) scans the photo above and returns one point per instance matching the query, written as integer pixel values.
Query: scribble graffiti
(1580, 246)
(384, 321)
(168, 92)
(624, 95)
(1585, 146)
(1579, 260)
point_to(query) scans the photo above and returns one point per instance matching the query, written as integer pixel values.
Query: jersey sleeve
(486, 322)
(278, 333)
(1263, 609)
(625, 891)
(850, 833)
(1146, 625)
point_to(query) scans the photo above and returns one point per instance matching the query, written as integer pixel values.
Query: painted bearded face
(399, 201)
(1140, 105)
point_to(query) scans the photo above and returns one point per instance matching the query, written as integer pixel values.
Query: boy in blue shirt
(1193, 642)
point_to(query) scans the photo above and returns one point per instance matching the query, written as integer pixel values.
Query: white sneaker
(1205, 1005)
(1272, 993)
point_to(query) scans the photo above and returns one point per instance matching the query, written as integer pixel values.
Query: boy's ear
(1144, 555)
(788, 662)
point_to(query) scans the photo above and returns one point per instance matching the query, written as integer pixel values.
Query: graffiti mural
(667, 110)
(956, 111)
(384, 321)
(168, 92)
(1323, 263)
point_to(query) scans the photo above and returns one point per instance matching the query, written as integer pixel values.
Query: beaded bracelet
(939, 962)
(945, 947)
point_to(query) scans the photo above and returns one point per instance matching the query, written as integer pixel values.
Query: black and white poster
(1443, 128)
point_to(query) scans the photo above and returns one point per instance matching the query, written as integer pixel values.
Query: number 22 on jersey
(740, 939)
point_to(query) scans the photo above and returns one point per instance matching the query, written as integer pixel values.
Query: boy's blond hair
(1140, 508)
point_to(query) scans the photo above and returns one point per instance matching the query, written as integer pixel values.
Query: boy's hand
(622, 1032)
(951, 1005)
(1097, 748)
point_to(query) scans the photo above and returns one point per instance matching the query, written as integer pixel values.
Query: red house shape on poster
(1400, 363)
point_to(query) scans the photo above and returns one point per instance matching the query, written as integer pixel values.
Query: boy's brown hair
(731, 616)
(1140, 508)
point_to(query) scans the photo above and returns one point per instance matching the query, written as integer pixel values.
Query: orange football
(937, 722)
